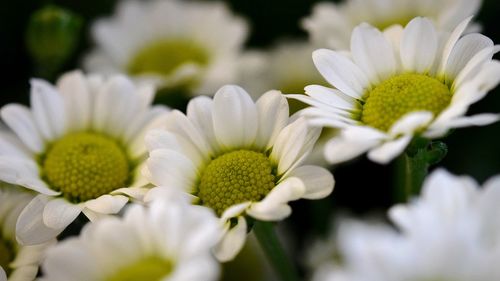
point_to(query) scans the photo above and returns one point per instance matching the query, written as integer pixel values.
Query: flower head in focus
(178, 45)
(17, 262)
(166, 241)
(237, 157)
(331, 25)
(80, 147)
(392, 87)
(451, 232)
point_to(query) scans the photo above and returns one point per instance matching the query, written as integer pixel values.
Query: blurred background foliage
(361, 186)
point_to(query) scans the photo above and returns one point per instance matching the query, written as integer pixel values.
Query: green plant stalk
(268, 240)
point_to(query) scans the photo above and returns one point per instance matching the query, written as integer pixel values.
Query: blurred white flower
(80, 147)
(17, 262)
(392, 86)
(238, 158)
(330, 25)
(175, 44)
(170, 240)
(451, 232)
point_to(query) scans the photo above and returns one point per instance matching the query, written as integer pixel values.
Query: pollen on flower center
(84, 166)
(6, 254)
(234, 178)
(164, 57)
(150, 268)
(402, 94)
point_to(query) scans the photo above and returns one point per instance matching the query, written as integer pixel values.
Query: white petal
(341, 72)
(10, 145)
(384, 153)
(162, 139)
(465, 49)
(275, 205)
(107, 204)
(171, 169)
(331, 97)
(272, 112)
(234, 117)
(351, 143)
(475, 120)
(30, 229)
(20, 120)
(473, 66)
(235, 211)
(232, 241)
(450, 44)
(199, 112)
(411, 122)
(415, 55)
(318, 181)
(78, 98)
(48, 109)
(59, 213)
(3, 275)
(372, 53)
(136, 193)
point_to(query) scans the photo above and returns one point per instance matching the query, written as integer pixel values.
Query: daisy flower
(451, 232)
(17, 262)
(176, 44)
(330, 25)
(239, 158)
(170, 240)
(80, 147)
(392, 87)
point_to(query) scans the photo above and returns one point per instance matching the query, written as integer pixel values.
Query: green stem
(266, 235)
(416, 169)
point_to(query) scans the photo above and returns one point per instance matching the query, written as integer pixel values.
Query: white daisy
(450, 233)
(392, 87)
(330, 25)
(170, 240)
(175, 44)
(17, 262)
(239, 158)
(80, 147)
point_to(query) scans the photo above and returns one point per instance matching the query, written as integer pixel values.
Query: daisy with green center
(330, 24)
(238, 158)
(17, 262)
(191, 46)
(398, 84)
(80, 146)
(169, 240)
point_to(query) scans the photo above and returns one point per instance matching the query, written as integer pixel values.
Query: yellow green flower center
(387, 22)
(402, 94)
(164, 57)
(234, 178)
(84, 166)
(7, 254)
(150, 269)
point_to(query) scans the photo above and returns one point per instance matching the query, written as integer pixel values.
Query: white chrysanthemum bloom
(17, 262)
(286, 67)
(392, 87)
(80, 147)
(170, 240)
(172, 43)
(239, 158)
(451, 232)
(330, 25)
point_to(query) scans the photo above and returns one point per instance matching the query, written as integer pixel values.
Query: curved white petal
(235, 210)
(171, 169)
(232, 241)
(199, 112)
(318, 181)
(389, 150)
(30, 228)
(78, 100)
(372, 53)
(415, 55)
(234, 117)
(411, 122)
(20, 119)
(48, 109)
(341, 72)
(272, 112)
(331, 97)
(275, 205)
(59, 213)
(107, 204)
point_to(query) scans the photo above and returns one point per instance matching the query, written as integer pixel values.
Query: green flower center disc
(234, 178)
(150, 269)
(402, 94)
(84, 166)
(387, 22)
(7, 254)
(164, 57)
